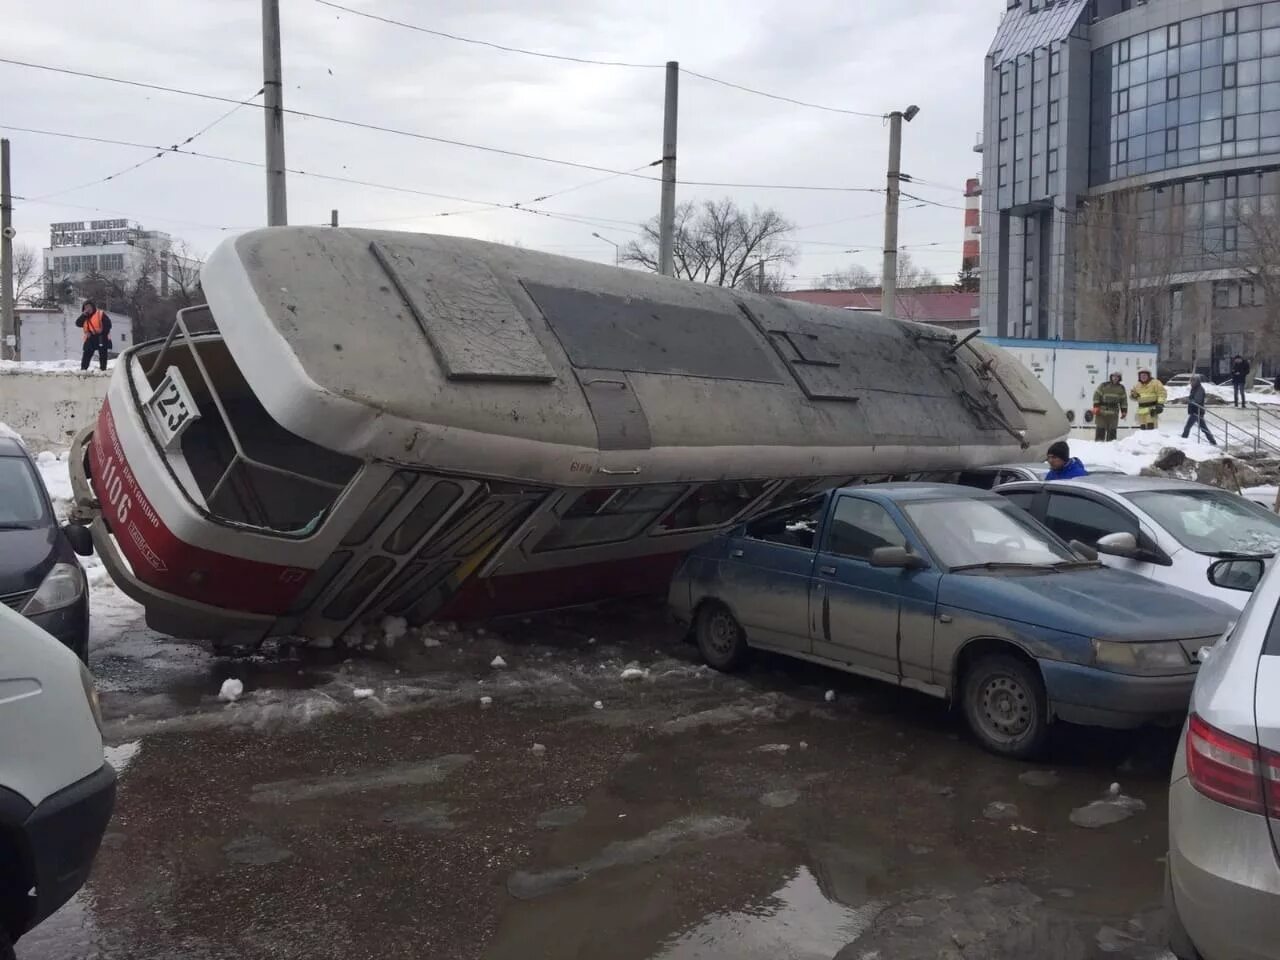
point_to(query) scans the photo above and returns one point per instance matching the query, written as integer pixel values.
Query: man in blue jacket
(1062, 465)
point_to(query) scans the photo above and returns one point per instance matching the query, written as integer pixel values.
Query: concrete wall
(48, 407)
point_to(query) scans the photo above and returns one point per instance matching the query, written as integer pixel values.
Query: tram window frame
(768, 487)
(574, 526)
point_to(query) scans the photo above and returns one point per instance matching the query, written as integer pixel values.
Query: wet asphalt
(371, 805)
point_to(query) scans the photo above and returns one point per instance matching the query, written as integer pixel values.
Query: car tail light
(1232, 771)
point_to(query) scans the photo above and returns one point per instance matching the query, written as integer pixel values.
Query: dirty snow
(1112, 808)
(830, 696)
(393, 628)
(497, 662)
(9, 433)
(232, 690)
(122, 755)
(362, 693)
(598, 705)
(538, 749)
(486, 701)
(633, 673)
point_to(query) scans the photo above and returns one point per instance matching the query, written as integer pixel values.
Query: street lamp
(617, 250)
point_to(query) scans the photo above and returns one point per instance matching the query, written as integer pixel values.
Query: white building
(78, 249)
(50, 333)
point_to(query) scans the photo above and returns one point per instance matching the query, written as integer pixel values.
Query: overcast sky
(867, 55)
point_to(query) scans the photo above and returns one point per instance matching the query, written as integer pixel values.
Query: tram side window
(713, 504)
(610, 516)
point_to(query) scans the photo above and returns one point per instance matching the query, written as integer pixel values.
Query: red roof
(946, 307)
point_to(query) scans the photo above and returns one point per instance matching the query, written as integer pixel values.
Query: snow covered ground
(1224, 392)
(54, 366)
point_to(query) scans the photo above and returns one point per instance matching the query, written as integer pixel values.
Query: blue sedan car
(957, 593)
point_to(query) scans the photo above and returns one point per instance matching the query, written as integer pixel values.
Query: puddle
(797, 922)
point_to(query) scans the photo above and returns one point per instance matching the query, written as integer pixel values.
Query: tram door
(418, 540)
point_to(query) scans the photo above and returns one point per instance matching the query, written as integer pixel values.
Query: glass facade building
(1165, 114)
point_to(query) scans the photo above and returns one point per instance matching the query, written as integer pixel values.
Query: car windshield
(21, 504)
(1212, 521)
(965, 533)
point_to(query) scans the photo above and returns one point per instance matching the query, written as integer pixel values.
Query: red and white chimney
(972, 203)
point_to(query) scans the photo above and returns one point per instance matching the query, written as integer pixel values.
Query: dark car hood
(1103, 603)
(26, 556)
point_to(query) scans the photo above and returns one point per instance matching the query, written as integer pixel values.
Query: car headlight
(1141, 658)
(63, 586)
(91, 694)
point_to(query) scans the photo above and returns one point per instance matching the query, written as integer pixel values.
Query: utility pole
(889, 277)
(333, 218)
(760, 278)
(8, 332)
(273, 114)
(667, 213)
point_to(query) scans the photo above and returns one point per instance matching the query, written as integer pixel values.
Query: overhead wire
(505, 48)
(156, 156)
(380, 128)
(590, 221)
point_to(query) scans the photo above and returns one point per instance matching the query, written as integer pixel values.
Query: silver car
(1223, 880)
(1170, 531)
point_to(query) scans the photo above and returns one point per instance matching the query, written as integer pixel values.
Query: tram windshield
(228, 454)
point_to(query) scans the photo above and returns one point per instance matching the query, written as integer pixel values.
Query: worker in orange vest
(97, 334)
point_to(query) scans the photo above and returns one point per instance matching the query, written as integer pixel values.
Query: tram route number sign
(171, 408)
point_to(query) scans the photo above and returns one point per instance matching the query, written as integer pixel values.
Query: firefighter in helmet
(1110, 405)
(1150, 395)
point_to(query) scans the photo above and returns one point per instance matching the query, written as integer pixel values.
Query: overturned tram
(367, 423)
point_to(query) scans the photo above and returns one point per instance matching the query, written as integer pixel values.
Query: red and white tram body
(366, 423)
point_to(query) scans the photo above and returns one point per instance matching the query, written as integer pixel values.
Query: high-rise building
(1131, 156)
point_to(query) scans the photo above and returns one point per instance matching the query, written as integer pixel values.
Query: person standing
(1062, 465)
(1110, 405)
(1195, 411)
(1239, 377)
(1150, 395)
(97, 334)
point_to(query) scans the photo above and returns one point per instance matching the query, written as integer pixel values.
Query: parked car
(1165, 530)
(56, 791)
(954, 592)
(40, 576)
(1222, 889)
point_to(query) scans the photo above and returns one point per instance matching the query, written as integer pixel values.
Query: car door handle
(827, 570)
(735, 553)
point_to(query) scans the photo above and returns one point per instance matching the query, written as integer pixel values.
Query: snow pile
(393, 628)
(1137, 450)
(486, 701)
(830, 696)
(362, 693)
(598, 705)
(8, 433)
(633, 671)
(498, 663)
(232, 690)
(538, 749)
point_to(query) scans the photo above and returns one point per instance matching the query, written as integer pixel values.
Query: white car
(1169, 530)
(56, 790)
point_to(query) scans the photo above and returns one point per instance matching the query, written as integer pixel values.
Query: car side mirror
(1237, 574)
(899, 557)
(1118, 545)
(80, 539)
(1083, 550)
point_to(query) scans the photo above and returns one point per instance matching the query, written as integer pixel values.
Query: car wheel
(720, 638)
(1004, 703)
(1180, 944)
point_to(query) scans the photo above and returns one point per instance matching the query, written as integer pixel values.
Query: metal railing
(1261, 436)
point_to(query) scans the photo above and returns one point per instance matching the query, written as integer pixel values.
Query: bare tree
(182, 269)
(1258, 257)
(716, 242)
(1126, 259)
(913, 276)
(28, 275)
(853, 277)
